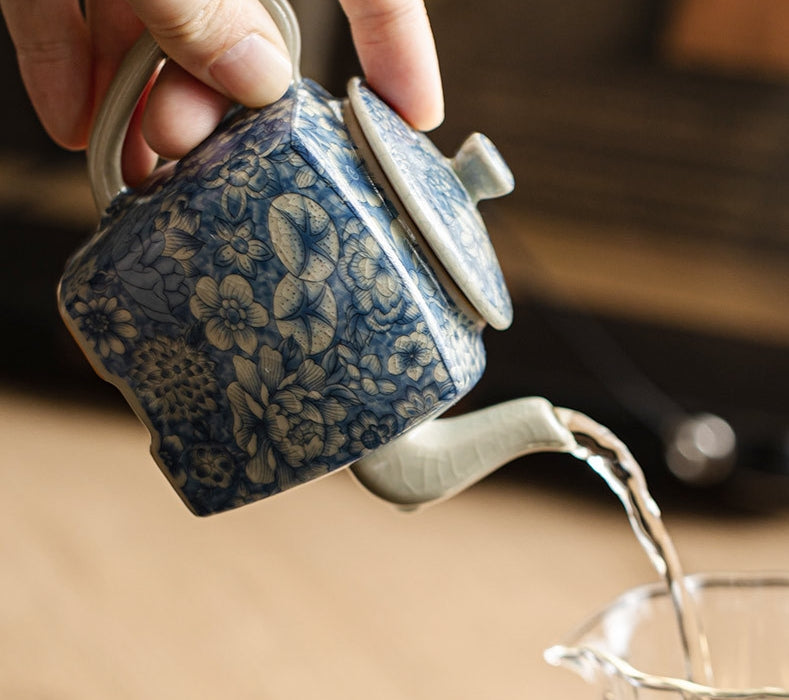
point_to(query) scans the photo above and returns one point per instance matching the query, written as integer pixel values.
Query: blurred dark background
(646, 245)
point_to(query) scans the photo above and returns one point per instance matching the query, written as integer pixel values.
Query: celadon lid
(440, 196)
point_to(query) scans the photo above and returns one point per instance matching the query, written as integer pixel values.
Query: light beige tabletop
(111, 589)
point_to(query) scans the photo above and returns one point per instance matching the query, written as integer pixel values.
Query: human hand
(222, 51)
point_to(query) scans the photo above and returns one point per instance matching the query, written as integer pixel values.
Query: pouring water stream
(614, 463)
(440, 458)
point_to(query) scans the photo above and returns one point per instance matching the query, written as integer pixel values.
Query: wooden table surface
(110, 588)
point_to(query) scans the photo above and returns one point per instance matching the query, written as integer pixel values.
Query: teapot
(304, 291)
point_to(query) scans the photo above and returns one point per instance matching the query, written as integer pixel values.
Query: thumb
(231, 45)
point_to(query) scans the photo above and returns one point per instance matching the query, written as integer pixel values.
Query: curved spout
(442, 457)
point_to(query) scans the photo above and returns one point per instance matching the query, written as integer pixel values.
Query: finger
(231, 45)
(181, 112)
(137, 157)
(53, 50)
(398, 56)
(172, 117)
(113, 29)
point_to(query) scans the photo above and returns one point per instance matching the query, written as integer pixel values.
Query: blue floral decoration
(265, 311)
(435, 197)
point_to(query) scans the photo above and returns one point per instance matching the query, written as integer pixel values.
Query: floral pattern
(418, 403)
(173, 379)
(211, 465)
(411, 354)
(229, 311)
(240, 250)
(287, 421)
(244, 172)
(369, 431)
(380, 302)
(436, 198)
(264, 309)
(104, 324)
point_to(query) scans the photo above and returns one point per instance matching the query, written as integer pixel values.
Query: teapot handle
(112, 121)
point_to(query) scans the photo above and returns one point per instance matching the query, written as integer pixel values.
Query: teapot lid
(440, 195)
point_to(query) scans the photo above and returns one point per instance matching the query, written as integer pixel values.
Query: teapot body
(266, 309)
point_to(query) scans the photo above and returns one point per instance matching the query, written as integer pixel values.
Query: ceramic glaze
(305, 290)
(440, 197)
(265, 310)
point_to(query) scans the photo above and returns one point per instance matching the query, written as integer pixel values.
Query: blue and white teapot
(300, 293)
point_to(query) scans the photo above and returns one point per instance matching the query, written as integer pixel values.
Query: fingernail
(253, 72)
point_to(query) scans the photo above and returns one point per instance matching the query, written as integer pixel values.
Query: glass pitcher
(631, 649)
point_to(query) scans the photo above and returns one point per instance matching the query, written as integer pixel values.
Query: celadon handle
(442, 457)
(106, 140)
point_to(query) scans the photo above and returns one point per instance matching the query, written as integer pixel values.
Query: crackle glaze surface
(264, 311)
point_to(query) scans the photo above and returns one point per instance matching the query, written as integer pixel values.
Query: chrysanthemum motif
(229, 311)
(370, 431)
(175, 382)
(411, 354)
(284, 418)
(104, 324)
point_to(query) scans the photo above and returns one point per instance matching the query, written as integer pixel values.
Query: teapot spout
(440, 458)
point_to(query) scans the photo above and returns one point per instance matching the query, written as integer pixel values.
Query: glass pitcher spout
(631, 648)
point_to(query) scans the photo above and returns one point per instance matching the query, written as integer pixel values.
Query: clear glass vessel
(632, 649)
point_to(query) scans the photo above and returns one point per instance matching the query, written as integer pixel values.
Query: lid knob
(481, 169)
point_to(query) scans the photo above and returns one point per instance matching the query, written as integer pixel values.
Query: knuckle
(192, 24)
(43, 52)
(388, 17)
(386, 11)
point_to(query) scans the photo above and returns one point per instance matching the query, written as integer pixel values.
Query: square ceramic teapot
(302, 289)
